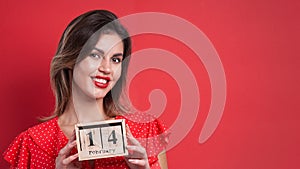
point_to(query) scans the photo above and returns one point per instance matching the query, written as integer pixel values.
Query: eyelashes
(94, 55)
(114, 59)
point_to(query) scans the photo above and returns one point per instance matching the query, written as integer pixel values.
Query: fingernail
(132, 161)
(73, 143)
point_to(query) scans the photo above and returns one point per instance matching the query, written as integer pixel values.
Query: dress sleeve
(17, 153)
(151, 134)
(156, 142)
(157, 139)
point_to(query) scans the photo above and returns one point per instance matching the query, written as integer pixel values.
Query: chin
(100, 96)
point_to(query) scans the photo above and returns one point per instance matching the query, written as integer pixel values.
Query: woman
(88, 74)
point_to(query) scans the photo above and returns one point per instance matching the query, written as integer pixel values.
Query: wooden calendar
(101, 139)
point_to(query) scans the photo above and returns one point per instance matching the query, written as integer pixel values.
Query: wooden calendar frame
(101, 139)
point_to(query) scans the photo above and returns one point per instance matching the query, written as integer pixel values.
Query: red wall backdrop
(258, 44)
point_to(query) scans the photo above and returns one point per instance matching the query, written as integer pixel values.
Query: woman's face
(97, 73)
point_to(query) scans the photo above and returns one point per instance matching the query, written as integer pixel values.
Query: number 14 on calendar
(101, 139)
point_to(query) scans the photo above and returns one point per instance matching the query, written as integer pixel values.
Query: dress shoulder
(150, 132)
(45, 135)
(144, 125)
(37, 146)
(18, 152)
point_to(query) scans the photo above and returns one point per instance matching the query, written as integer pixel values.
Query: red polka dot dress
(39, 146)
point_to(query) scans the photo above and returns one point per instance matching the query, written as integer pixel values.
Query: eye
(116, 60)
(94, 55)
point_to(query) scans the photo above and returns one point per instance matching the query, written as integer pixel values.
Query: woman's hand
(137, 156)
(64, 159)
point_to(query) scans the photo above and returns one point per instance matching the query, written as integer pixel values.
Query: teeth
(100, 80)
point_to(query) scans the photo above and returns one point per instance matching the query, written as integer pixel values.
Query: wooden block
(101, 139)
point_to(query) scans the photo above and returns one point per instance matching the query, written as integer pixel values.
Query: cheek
(87, 67)
(76, 72)
(118, 73)
(82, 71)
(78, 75)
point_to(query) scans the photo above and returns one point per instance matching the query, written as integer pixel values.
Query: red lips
(101, 81)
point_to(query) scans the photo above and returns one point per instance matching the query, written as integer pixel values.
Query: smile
(101, 82)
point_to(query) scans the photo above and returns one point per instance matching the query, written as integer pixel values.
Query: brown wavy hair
(80, 35)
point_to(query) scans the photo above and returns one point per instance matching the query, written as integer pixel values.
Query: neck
(89, 111)
(82, 109)
(69, 116)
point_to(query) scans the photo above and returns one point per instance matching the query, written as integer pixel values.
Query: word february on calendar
(101, 139)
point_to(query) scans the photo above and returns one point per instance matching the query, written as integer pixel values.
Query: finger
(131, 138)
(136, 149)
(128, 132)
(66, 150)
(136, 152)
(138, 162)
(133, 141)
(68, 160)
(73, 136)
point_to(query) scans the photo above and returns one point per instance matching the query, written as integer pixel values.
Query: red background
(258, 44)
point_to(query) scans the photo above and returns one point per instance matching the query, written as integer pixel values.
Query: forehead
(110, 42)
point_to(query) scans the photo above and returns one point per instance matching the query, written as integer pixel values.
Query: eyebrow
(102, 52)
(99, 50)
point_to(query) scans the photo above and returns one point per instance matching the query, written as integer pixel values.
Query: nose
(105, 66)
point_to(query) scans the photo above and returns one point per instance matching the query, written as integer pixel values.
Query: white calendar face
(101, 139)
